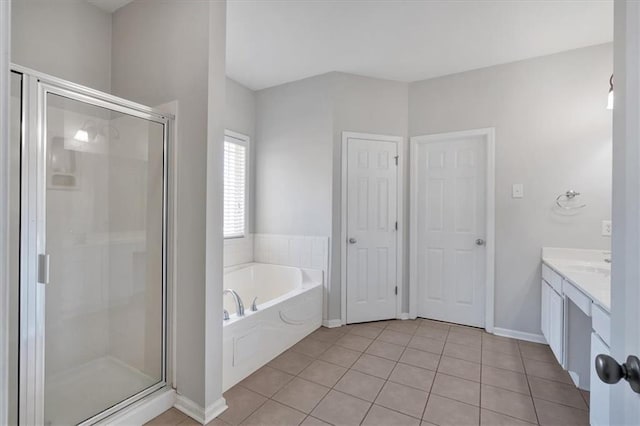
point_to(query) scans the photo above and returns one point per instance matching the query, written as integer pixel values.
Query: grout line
(535, 409)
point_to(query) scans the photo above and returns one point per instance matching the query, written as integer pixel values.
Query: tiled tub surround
(414, 372)
(238, 250)
(289, 307)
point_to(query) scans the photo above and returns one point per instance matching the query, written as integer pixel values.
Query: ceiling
(109, 5)
(270, 42)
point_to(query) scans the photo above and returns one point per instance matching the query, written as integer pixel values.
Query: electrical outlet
(517, 190)
(606, 228)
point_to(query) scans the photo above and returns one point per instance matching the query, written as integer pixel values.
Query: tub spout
(238, 300)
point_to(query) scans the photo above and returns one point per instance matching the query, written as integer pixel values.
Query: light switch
(517, 190)
(606, 228)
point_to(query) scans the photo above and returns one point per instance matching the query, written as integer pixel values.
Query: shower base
(77, 394)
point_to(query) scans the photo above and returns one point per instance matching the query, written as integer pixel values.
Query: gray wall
(553, 133)
(293, 158)
(70, 39)
(151, 65)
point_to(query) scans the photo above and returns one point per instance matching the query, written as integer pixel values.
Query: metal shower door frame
(35, 88)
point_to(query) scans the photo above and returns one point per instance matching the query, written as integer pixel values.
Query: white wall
(152, 66)
(553, 133)
(69, 39)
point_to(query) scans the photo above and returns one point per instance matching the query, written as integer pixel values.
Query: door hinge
(396, 290)
(43, 268)
(396, 157)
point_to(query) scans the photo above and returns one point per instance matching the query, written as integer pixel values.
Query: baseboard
(520, 335)
(575, 378)
(215, 409)
(403, 316)
(190, 408)
(196, 412)
(144, 410)
(332, 323)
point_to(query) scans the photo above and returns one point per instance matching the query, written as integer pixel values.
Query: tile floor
(418, 372)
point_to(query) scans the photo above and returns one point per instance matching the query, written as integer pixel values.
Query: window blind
(235, 169)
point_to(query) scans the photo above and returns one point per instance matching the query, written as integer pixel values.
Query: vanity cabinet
(552, 319)
(599, 407)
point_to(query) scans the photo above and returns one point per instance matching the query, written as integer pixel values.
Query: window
(235, 185)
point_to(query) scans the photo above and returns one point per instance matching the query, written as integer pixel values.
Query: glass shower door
(103, 227)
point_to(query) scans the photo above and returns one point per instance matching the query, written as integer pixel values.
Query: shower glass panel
(104, 304)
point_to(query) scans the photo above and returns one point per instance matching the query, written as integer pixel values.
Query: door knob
(480, 242)
(611, 372)
(352, 241)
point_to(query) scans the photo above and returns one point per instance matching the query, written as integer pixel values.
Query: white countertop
(585, 269)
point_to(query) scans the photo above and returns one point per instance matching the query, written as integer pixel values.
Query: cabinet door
(544, 311)
(599, 398)
(556, 324)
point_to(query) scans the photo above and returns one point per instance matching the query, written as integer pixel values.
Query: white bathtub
(289, 308)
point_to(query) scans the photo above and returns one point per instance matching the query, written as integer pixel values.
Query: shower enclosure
(92, 251)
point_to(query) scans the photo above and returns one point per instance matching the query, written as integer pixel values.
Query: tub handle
(225, 315)
(254, 306)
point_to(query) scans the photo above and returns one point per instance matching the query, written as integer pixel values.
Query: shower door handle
(43, 268)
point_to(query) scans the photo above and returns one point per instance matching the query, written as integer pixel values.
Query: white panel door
(372, 180)
(450, 216)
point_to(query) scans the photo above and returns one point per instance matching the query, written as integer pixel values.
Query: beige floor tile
(537, 351)
(379, 324)
(341, 409)
(374, 366)
(462, 352)
(432, 332)
(546, 370)
(301, 394)
(405, 326)
(426, 344)
(380, 416)
(447, 412)
(463, 338)
(385, 350)
(550, 414)
(455, 388)
(403, 398)
(341, 356)
(434, 323)
(171, 417)
(360, 385)
(267, 381)
(586, 395)
(217, 422)
(356, 343)
(500, 360)
(395, 337)
(509, 348)
(559, 393)
(291, 362)
(327, 334)
(505, 379)
(189, 422)
(273, 413)
(241, 402)
(420, 359)
(510, 403)
(323, 373)
(312, 421)
(311, 347)
(490, 418)
(459, 328)
(365, 330)
(415, 377)
(460, 368)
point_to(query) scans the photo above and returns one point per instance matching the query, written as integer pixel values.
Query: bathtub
(289, 302)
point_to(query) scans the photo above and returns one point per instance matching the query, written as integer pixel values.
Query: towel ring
(567, 196)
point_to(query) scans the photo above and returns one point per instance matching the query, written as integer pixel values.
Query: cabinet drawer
(579, 298)
(551, 277)
(601, 323)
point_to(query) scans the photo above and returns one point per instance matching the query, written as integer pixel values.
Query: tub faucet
(238, 300)
(225, 315)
